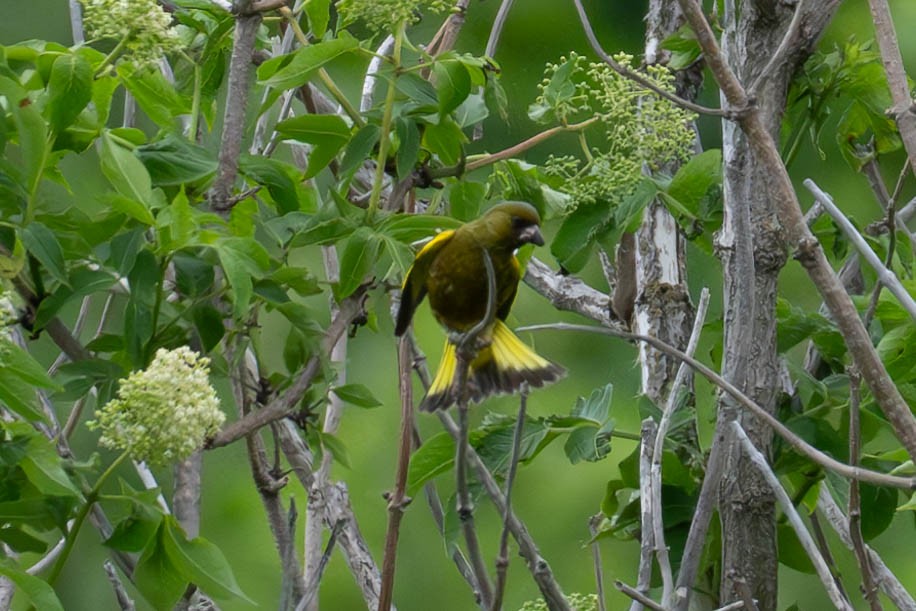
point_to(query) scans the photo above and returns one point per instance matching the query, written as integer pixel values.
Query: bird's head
(513, 224)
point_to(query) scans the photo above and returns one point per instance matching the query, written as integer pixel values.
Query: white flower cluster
(163, 413)
(143, 27)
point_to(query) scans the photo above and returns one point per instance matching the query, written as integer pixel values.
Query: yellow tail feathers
(500, 367)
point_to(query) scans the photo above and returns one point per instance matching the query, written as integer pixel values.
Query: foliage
(182, 291)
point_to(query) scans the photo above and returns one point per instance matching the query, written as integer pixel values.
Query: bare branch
(569, 293)
(638, 596)
(240, 69)
(803, 447)
(885, 276)
(809, 252)
(635, 76)
(502, 561)
(823, 571)
(886, 580)
(648, 505)
(596, 559)
(125, 603)
(904, 110)
(521, 147)
(398, 500)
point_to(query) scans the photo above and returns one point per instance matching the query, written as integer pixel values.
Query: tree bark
(753, 250)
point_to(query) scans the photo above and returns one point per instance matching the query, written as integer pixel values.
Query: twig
(903, 111)
(886, 580)
(569, 293)
(502, 560)
(803, 447)
(648, 506)
(335, 504)
(635, 76)
(521, 147)
(854, 507)
(661, 551)
(638, 596)
(186, 495)
(497, 28)
(744, 591)
(596, 559)
(125, 603)
(779, 56)
(149, 482)
(398, 500)
(312, 589)
(372, 72)
(282, 406)
(699, 525)
(465, 352)
(809, 251)
(823, 571)
(885, 276)
(537, 565)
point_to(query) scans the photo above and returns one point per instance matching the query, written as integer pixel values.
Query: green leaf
(154, 94)
(38, 591)
(31, 130)
(130, 207)
(19, 397)
(14, 361)
(575, 240)
(123, 250)
(193, 276)
(357, 260)
(409, 228)
(41, 243)
(336, 447)
(356, 394)
(465, 198)
(42, 465)
(408, 146)
(453, 84)
(419, 90)
(144, 280)
(299, 68)
(494, 442)
(125, 172)
(326, 133)
(21, 541)
(201, 562)
(136, 531)
(587, 443)
(472, 111)
(359, 148)
(157, 577)
(242, 259)
(281, 179)
(69, 90)
(445, 139)
(209, 324)
(318, 13)
(695, 178)
(597, 407)
(683, 46)
(435, 456)
(175, 161)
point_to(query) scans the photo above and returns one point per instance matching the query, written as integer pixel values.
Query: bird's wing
(414, 289)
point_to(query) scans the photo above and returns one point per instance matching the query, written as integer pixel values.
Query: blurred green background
(553, 497)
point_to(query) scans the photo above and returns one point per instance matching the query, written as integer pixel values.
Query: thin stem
(195, 105)
(596, 560)
(803, 447)
(502, 561)
(323, 75)
(854, 508)
(387, 115)
(635, 76)
(514, 151)
(91, 497)
(638, 596)
(398, 500)
(885, 275)
(823, 571)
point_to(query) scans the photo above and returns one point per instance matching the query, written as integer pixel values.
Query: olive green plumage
(452, 271)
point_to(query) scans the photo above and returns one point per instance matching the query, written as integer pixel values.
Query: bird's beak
(532, 234)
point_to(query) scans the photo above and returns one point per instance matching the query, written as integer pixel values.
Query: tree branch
(648, 506)
(803, 447)
(823, 571)
(809, 251)
(569, 293)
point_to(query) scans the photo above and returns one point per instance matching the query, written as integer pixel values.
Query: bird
(451, 269)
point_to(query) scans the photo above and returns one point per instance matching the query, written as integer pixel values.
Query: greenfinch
(451, 269)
